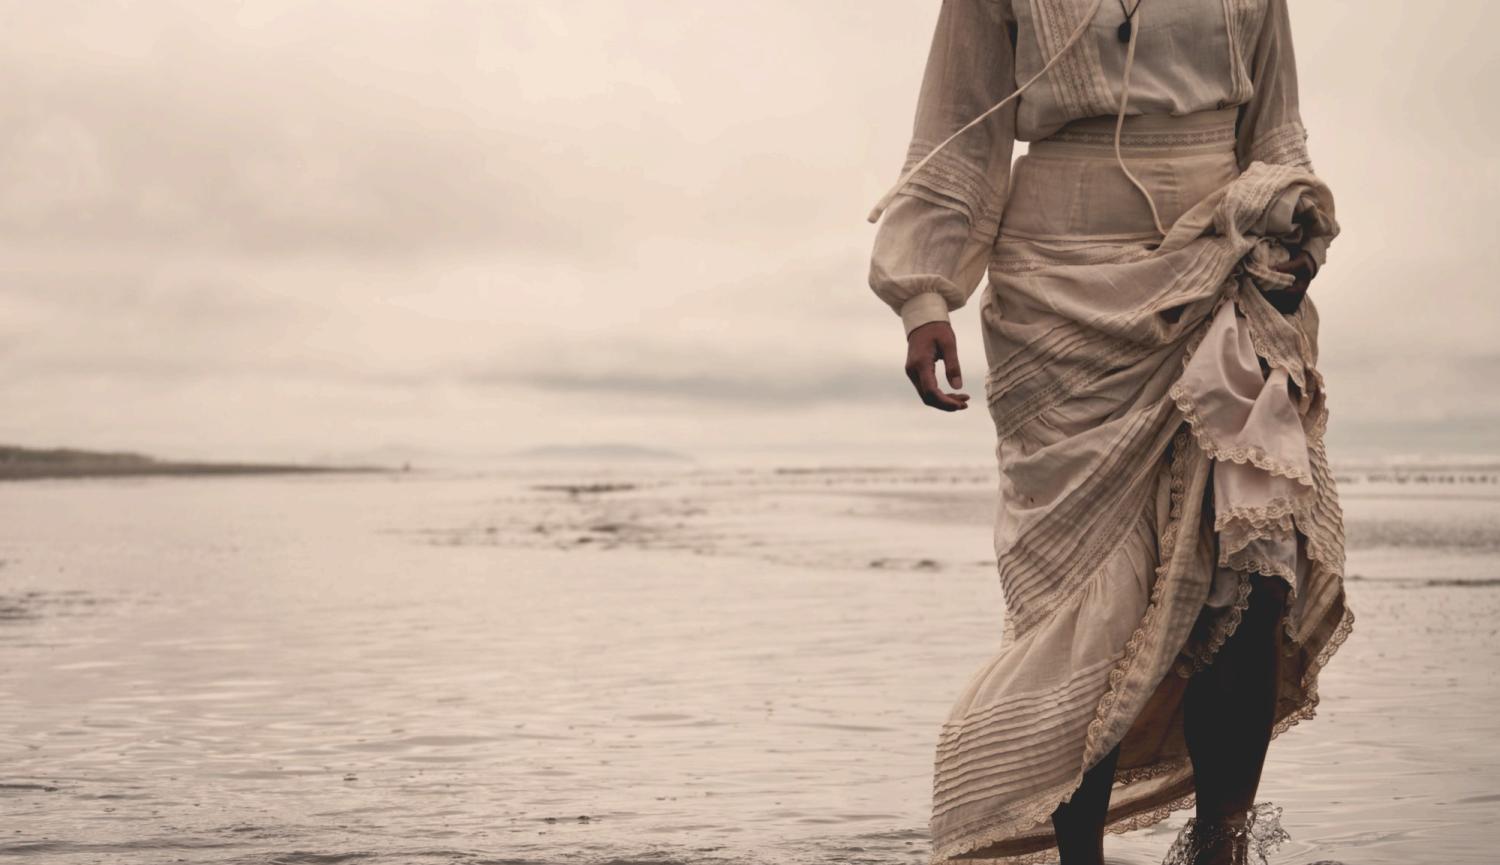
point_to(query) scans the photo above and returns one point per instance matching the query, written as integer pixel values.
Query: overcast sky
(310, 229)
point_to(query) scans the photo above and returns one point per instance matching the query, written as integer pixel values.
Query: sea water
(633, 666)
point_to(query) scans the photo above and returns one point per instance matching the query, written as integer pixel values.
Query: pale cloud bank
(299, 229)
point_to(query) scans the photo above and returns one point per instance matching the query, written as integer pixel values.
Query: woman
(1168, 534)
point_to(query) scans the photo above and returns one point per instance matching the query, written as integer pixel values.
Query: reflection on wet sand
(684, 667)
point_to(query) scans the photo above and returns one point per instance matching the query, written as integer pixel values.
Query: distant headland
(21, 463)
(601, 452)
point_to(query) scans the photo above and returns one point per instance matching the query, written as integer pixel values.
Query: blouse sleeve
(1270, 125)
(933, 244)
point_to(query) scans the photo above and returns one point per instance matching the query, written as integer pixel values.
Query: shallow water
(690, 667)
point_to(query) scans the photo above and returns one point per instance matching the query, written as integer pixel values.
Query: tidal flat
(623, 664)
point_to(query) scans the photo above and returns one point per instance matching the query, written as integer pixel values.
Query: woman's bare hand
(1302, 267)
(925, 346)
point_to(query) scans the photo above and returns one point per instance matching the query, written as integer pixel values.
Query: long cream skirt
(1160, 439)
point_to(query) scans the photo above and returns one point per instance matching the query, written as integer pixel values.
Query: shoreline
(29, 464)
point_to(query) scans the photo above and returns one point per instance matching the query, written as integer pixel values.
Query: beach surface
(676, 665)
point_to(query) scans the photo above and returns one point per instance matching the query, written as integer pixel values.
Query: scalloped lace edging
(1247, 454)
(1197, 658)
(1035, 811)
(1336, 640)
(1040, 807)
(1234, 540)
(1223, 628)
(1252, 565)
(1275, 514)
(958, 851)
(1153, 604)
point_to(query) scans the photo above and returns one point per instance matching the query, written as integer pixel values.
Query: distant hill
(20, 463)
(601, 453)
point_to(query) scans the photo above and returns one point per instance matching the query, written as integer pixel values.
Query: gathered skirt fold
(1160, 441)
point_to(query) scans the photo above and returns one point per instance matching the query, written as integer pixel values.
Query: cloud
(694, 378)
(259, 226)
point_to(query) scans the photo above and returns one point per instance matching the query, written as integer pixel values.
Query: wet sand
(686, 666)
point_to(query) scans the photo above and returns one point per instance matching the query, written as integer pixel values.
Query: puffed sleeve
(933, 243)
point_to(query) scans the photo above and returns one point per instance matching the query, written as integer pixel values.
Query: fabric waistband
(1144, 135)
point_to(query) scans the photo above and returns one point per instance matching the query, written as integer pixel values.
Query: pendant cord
(1120, 125)
(1083, 27)
(885, 200)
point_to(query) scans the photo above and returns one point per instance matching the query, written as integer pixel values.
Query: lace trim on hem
(1275, 514)
(1154, 770)
(1235, 540)
(1152, 817)
(1153, 605)
(959, 851)
(1242, 529)
(1248, 454)
(1251, 565)
(1199, 657)
(1340, 633)
(950, 853)
(1223, 629)
(1040, 807)
(1246, 841)
(1309, 708)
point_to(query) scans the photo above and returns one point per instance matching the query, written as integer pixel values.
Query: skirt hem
(1178, 795)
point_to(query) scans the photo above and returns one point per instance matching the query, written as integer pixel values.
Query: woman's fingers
(1301, 261)
(947, 345)
(923, 375)
(1301, 266)
(925, 346)
(934, 396)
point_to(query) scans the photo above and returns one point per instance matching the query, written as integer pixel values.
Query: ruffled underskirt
(1151, 465)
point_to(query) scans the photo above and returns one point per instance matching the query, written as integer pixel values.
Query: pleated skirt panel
(1159, 436)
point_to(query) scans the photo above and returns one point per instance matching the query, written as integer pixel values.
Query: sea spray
(1241, 843)
(1249, 843)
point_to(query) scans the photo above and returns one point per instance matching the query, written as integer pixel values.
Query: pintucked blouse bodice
(1190, 56)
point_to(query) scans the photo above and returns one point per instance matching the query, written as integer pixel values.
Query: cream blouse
(1191, 55)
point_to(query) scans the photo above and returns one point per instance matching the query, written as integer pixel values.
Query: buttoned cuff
(923, 308)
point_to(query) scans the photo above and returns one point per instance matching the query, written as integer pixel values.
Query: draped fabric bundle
(1160, 424)
(1161, 440)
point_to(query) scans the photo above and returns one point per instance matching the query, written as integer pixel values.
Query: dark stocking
(1230, 707)
(1079, 822)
